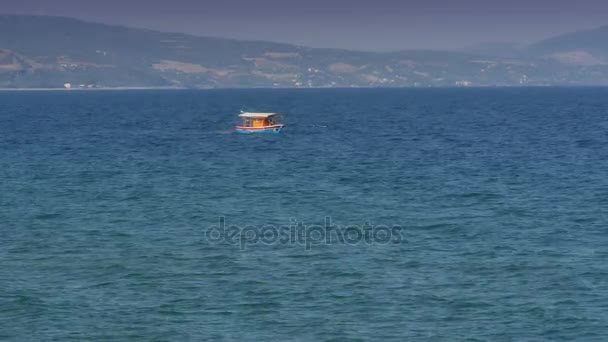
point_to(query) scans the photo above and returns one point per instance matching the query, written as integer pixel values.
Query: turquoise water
(495, 202)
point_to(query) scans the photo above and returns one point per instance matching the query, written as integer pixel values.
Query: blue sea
(376, 214)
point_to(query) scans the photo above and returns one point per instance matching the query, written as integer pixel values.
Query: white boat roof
(257, 115)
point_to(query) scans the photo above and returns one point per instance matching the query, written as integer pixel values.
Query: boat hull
(265, 129)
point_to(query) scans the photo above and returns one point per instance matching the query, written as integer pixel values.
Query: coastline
(91, 89)
(308, 88)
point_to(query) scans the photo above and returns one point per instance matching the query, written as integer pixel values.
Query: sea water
(376, 214)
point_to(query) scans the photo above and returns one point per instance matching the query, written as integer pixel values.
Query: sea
(477, 214)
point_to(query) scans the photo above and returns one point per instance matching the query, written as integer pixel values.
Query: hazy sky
(354, 24)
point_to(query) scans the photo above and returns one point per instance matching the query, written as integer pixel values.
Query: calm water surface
(106, 199)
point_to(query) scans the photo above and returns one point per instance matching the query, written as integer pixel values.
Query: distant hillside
(39, 51)
(500, 49)
(582, 47)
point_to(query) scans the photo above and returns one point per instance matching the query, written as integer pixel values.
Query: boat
(259, 123)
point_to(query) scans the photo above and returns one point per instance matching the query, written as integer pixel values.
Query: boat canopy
(257, 115)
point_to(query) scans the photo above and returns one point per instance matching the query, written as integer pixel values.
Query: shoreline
(299, 88)
(91, 89)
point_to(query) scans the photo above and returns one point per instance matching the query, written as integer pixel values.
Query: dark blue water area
(488, 213)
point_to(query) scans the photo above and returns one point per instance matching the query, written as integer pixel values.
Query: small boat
(259, 123)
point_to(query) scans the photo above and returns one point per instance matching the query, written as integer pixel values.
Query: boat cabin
(258, 119)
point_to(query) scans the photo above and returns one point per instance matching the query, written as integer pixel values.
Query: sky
(372, 25)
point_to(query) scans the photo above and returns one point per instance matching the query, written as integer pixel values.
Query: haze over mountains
(49, 52)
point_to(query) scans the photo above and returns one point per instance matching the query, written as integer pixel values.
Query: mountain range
(58, 52)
